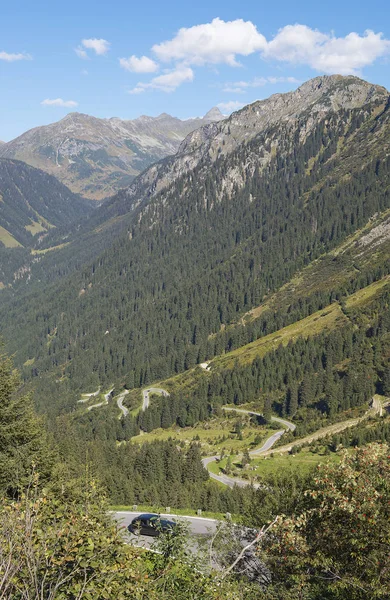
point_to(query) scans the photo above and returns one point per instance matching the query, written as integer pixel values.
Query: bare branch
(212, 542)
(260, 535)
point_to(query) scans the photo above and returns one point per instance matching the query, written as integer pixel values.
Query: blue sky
(125, 59)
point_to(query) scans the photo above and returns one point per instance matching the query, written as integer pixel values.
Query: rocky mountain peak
(324, 94)
(75, 116)
(96, 157)
(164, 116)
(214, 114)
(290, 116)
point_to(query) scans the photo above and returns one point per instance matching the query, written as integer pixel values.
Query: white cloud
(232, 89)
(228, 107)
(167, 82)
(283, 80)
(240, 87)
(212, 43)
(137, 90)
(13, 57)
(139, 65)
(99, 46)
(81, 53)
(59, 102)
(298, 44)
(222, 42)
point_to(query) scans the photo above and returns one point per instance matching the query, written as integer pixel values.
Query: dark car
(151, 524)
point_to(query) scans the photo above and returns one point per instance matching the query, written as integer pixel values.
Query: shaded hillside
(225, 231)
(96, 157)
(32, 202)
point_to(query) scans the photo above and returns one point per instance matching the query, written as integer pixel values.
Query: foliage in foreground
(59, 548)
(339, 546)
(23, 440)
(59, 543)
(65, 546)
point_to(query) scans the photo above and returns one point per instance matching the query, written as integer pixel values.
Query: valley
(213, 337)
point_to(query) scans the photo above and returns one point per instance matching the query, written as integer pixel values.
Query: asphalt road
(87, 397)
(119, 402)
(225, 479)
(287, 424)
(105, 401)
(197, 526)
(268, 443)
(145, 394)
(232, 481)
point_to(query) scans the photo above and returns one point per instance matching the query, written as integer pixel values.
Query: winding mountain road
(105, 401)
(376, 408)
(269, 442)
(87, 397)
(152, 390)
(230, 481)
(225, 479)
(119, 401)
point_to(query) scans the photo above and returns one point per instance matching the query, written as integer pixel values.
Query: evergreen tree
(386, 381)
(267, 409)
(23, 444)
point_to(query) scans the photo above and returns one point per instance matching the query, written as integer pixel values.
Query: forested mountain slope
(96, 157)
(205, 236)
(278, 125)
(32, 202)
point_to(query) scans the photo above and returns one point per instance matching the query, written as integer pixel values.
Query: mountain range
(164, 275)
(95, 157)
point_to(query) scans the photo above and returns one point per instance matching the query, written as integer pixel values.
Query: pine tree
(23, 445)
(386, 381)
(267, 409)
(246, 459)
(292, 405)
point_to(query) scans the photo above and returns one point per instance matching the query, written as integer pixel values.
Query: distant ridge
(95, 157)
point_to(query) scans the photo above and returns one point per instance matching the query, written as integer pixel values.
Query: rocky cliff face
(96, 157)
(287, 117)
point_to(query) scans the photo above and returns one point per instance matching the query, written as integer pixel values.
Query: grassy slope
(332, 270)
(310, 326)
(213, 435)
(7, 239)
(304, 462)
(330, 317)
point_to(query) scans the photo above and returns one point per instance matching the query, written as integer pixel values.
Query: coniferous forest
(242, 284)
